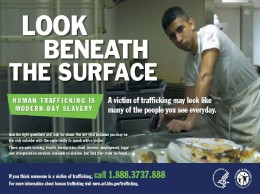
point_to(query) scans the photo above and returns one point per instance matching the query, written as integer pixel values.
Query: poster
(79, 83)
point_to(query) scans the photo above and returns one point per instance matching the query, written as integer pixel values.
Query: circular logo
(243, 178)
(220, 177)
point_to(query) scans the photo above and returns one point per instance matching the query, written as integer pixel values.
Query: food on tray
(156, 155)
(148, 157)
(200, 155)
(188, 152)
(250, 153)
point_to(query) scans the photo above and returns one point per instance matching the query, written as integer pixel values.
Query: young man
(215, 65)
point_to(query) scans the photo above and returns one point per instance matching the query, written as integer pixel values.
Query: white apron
(238, 118)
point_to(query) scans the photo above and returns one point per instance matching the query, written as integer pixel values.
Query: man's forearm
(204, 81)
(202, 89)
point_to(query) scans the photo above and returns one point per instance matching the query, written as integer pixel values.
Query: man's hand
(178, 126)
(156, 122)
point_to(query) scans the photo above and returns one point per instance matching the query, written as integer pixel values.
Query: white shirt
(233, 71)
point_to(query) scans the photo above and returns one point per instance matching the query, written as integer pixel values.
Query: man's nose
(178, 37)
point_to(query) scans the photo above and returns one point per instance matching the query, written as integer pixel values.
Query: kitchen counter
(204, 128)
(160, 139)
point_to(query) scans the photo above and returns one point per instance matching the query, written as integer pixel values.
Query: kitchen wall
(256, 36)
(231, 16)
(141, 19)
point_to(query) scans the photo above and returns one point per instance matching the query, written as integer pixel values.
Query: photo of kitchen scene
(137, 136)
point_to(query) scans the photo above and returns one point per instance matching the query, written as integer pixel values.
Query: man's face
(181, 33)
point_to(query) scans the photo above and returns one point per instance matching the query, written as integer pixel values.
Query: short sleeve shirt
(233, 71)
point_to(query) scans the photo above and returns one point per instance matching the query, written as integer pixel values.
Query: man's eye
(180, 29)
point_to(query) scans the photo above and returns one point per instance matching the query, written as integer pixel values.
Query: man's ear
(192, 23)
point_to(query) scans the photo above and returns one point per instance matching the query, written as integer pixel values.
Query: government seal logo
(220, 177)
(243, 178)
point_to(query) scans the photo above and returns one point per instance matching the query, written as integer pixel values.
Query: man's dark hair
(171, 14)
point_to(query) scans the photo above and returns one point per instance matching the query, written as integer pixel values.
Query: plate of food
(207, 150)
(142, 155)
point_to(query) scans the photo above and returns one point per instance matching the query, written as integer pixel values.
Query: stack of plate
(181, 153)
(189, 152)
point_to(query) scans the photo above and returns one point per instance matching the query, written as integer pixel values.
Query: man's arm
(202, 89)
